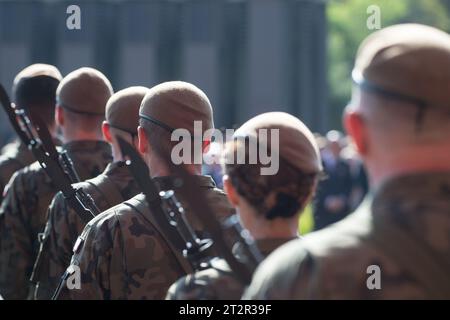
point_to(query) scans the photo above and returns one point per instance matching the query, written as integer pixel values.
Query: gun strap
(83, 172)
(107, 188)
(177, 252)
(42, 254)
(414, 256)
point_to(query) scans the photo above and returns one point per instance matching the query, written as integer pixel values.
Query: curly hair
(281, 195)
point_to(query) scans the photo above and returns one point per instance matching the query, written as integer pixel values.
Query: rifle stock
(48, 157)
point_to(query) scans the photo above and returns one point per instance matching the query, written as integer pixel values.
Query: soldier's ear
(59, 116)
(230, 191)
(142, 141)
(356, 127)
(106, 132)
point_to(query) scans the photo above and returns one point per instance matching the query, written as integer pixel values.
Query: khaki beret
(36, 84)
(85, 91)
(122, 109)
(297, 144)
(38, 69)
(176, 105)
(407, 61)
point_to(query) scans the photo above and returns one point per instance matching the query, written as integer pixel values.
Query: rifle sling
(108, 189)
(165, 234)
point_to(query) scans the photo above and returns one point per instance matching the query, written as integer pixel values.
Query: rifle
(47, 142)
(235, 243)
(57, 166)
(48, 157)
(23, 129)
(227, 237)
(168, 212)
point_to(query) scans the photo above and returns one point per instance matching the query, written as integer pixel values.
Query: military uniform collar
(115, 168)
(86, 145)
(405, 196)
(266, 246)
(172, 182)
(418, 185)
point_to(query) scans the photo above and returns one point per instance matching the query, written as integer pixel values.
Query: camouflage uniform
(218, 281)
(15, 157)
(123, 255)
(404, 230)
(112, 187)
(23, 213)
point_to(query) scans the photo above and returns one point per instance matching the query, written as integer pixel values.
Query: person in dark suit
(333, 194)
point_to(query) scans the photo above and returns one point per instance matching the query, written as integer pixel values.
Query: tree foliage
(347, 28)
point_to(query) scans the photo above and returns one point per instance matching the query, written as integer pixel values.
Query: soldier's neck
(437, 160)
(160, 169)
(80, 136)
(261, 228)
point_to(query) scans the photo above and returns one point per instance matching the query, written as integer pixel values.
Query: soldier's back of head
(81, 99)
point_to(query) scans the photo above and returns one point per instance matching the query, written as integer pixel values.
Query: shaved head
(399, 121)
(399, 116)
(84, 91)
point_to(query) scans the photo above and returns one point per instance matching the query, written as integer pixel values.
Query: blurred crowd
(342, 187)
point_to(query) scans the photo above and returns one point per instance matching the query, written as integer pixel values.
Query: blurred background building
(249, 56)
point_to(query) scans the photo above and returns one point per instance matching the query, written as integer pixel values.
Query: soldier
(33, 88)
(81, 100)
(397, 244)
(112, 187)
(269, 206)
(122, 253)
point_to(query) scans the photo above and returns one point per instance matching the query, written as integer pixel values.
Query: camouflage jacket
(122, 253)
(218, 281)
(15, 157)
(395, 246)
(112, 187)
(23, 213)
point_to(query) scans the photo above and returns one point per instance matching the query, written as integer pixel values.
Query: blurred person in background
(214, 168)
(360, 185)
(332, 201)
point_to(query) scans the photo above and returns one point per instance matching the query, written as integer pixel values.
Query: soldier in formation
(80, 106)
(123, 253)
(112, 187)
